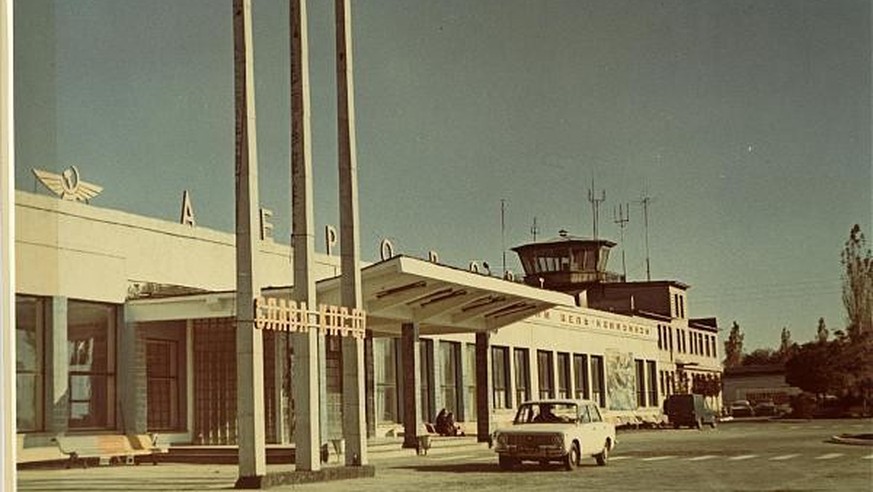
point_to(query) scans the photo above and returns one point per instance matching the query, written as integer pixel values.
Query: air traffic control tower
(567, 263)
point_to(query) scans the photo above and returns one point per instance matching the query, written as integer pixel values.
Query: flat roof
(402, 289)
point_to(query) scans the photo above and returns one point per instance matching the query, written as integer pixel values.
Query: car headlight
(501, 439)
(558, 440)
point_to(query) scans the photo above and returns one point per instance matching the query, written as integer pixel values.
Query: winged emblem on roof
(67, 185)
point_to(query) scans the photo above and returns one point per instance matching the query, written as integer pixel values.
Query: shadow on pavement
(487, 468)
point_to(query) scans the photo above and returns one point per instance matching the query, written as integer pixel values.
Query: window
(470, 383)
(500, 377)
(641, 383)
(29, 330)
(449, 360)
(580, 374)
(162, 370)
(714, 347)
(385, 362)
(91, 356)
(598, 389)
(546, 376)
(670, 338)
(651, 370)
(563, 375)
(522, 375)
(426, 359)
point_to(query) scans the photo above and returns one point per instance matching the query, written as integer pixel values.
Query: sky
(747, 123)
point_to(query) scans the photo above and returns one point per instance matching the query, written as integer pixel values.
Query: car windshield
(530, 413)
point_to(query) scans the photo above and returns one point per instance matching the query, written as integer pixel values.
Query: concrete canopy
(441, 299)
(402, 289)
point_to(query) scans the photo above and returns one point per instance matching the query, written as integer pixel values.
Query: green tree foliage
(857, 283)
(733, 347)
(761, 356)
(812, 368)
(786, 346)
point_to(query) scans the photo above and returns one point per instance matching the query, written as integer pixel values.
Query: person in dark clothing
(440, 423)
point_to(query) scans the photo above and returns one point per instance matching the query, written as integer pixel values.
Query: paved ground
(746, 456)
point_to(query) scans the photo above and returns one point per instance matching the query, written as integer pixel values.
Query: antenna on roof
(503, 231)
(595, 203)
(622, 217)
(645, 203)
(534, 230)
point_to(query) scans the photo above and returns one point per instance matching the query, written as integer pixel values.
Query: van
(690, 410)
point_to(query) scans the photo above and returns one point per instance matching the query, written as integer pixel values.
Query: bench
(109, 448)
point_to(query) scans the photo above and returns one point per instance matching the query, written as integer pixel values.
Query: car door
(598, 429)
(587, 430)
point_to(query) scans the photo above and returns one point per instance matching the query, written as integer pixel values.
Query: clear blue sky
(749, 122)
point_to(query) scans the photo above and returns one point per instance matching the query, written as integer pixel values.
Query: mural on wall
(620, 380)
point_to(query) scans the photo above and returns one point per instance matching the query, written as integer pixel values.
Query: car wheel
(506, 462)
(714, 423)
(572, 458)
(603, 457)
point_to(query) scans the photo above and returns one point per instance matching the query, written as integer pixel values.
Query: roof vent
(562, 233)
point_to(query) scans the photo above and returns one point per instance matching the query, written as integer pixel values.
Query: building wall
(756, 387)
(80, 251)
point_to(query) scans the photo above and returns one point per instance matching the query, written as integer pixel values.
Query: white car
(555, 430)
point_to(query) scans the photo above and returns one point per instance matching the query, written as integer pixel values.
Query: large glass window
(563, 375)
(500, 376)
(162, 363)
(470, 383)
(522, 375)
(91, 355)
(546, 374)
(598, 390)
(641, 383)
(384, 354)
(29, 332)
(580, 374)
(651, 372)
(426, 376)
(449, 360)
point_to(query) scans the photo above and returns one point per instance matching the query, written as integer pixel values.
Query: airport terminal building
(126, 324)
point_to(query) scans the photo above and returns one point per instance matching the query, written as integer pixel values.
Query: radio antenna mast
(503, 232)
(595, 204)
(645, 202)
(534, 230)
(621, 216)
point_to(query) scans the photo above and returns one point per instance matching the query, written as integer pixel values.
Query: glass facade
(29, 333)
(522, 376)
(470, 382)
(449, 362)
(598, 388)
(500, 377)
(384, 356)
(580, 373)
(91, 356)
(546, 374)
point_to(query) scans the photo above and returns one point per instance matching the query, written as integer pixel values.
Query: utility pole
(645, 202)
(622, 217)
(595, 204)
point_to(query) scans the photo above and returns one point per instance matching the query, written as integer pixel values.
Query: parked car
(555, 430)
(766, 407)
(741, 408)
(690, 410)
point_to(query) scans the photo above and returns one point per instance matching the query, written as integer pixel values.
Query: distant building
(758, 382)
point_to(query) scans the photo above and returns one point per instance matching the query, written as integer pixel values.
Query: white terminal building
(126, 324)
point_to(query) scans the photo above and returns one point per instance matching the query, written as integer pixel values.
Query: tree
(811, 368)
(761, 356)
(786, 346)
(822, 333)
(857, 283)
(733, 347)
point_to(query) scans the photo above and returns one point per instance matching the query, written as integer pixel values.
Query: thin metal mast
(621, 216)
(534, 230)
(503, 232)
(645, 201)
(595, 204)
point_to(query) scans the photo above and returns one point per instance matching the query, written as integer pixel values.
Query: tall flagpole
(354, 415)
(249, 341)
(306, 388)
